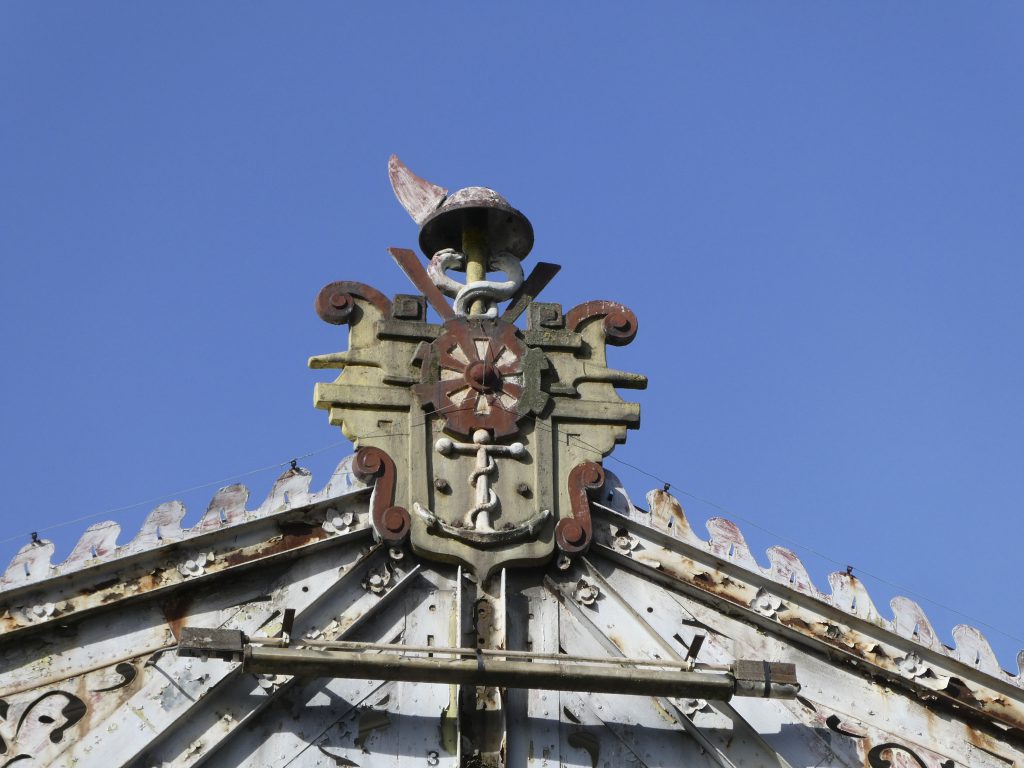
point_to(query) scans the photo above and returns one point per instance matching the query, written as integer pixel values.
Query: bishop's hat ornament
(483, 439)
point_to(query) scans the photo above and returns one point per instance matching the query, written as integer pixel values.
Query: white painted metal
(83, 681)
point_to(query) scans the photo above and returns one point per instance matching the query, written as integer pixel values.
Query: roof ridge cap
(847, 593)
(162, 527)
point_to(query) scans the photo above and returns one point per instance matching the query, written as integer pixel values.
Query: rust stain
(175, 612)
(665, 715)
(620, 323)
(618, 643)
(293, 535)
(837, 636)
(92, 699)
(985, 743)
(101, 585)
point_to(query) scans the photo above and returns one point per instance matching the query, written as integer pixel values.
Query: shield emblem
(483, 439)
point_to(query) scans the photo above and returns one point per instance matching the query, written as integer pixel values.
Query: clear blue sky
(815, 210)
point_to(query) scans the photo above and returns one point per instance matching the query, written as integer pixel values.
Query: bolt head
(340, 300)
(394, 520)
(483, 376)
(573, 532)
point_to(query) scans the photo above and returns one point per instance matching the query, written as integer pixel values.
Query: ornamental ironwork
(484, 439)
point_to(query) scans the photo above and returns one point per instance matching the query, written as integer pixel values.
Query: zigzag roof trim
(31, 566)
(162, 526)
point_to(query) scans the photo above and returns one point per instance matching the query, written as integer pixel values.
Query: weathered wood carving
(484, 438)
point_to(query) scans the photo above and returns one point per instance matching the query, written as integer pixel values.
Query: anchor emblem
(479, 516)
(476, 526)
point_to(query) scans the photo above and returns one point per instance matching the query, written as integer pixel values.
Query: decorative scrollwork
(127, 673)
(39, 715)
(837, 725)
(573, 534)
(336, 301)
(390, 522)
(620, 324)
(875, 759)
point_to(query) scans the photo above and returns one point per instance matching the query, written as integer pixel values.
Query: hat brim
(508, 229)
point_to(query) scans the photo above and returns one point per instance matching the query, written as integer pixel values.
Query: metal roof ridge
(848, 594)
(162, 526)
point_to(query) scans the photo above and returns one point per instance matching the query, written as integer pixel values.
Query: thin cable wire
(789, 540)
(179, 492)
(226, 480)
(666, 483)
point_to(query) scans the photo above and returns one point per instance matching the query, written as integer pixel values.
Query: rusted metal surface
(70, 659)
(519, 543)
(413, 269)
(508, 411)
(844, 627)
(573, 534)
(336, 301)
(485, 379)
(344, 606)
(162, 527)
(541, 274)
(141, 578)
(620, 324)
(390, 522)
(648, 588)
(849, 600)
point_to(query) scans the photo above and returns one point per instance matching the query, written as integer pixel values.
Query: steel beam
(767, 680)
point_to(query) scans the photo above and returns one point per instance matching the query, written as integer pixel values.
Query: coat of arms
(483, 438)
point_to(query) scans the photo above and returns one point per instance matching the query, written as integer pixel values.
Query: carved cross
(479, 517)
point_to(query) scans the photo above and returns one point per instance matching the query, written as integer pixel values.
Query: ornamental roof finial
(482, 437)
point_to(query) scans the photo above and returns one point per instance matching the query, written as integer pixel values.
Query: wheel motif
(480, 370)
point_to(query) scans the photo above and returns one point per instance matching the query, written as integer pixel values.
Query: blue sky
(813, 208)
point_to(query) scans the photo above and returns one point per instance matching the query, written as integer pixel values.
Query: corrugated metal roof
(90, 676)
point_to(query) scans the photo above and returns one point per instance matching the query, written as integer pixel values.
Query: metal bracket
(226, 644)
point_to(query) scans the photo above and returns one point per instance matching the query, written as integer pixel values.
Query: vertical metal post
(484, 714)
(474, 245)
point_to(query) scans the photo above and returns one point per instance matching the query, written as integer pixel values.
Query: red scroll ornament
(620, 324)
(573, 534)
(336, 301)
(390, 522)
